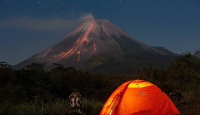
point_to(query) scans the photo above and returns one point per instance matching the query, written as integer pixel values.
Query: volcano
(98, 45)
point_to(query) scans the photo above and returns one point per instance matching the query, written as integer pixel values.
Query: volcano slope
(97, 45)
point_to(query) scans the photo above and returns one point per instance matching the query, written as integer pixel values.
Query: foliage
(35, 91)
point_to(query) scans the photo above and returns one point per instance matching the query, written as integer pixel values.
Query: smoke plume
(45, 24)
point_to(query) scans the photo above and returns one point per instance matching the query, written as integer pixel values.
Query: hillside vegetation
(33, 91)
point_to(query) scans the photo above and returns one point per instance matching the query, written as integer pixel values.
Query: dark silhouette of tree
(4, 65)
(34, 66)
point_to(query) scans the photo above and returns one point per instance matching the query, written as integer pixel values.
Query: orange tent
(139, 97)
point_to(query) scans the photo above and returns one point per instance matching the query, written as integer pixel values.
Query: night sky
(28, 27)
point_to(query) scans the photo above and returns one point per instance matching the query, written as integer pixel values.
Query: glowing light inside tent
(139, 84)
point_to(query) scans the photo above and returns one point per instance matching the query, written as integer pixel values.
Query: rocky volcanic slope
(98, 45)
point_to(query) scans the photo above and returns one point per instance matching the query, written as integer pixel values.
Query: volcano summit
(100, 46)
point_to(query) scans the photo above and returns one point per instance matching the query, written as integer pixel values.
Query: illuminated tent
(139, 97)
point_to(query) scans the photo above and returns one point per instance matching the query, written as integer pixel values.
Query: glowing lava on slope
(79, 46)
(95, 47)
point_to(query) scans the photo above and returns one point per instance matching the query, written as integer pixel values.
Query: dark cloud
(45, 24)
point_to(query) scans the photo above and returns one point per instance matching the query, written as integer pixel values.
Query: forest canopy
(34, 83)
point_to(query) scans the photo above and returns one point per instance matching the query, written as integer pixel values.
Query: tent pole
(114, 104)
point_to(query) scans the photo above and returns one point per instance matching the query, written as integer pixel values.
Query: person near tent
(75, 101)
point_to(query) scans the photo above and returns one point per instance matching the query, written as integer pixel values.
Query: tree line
(32, 81)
